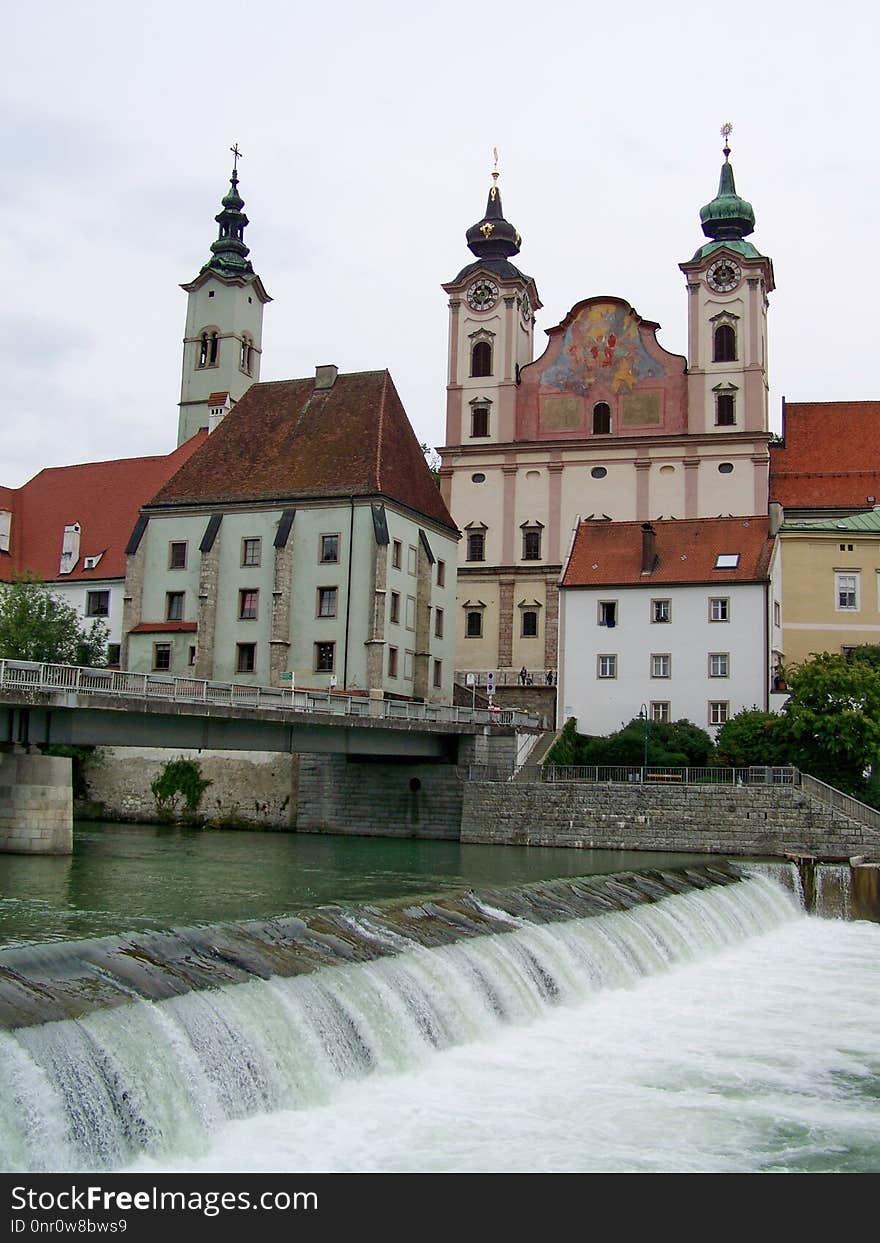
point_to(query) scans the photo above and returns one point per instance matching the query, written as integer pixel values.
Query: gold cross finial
(236, 156)
(726, 131)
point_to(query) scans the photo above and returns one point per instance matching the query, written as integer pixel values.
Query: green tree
(432, 457)
(37, 624)
(675, 744)
(750, 737)
(830, 725)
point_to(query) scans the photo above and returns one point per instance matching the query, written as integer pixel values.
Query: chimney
(325, 377)
(649, 544)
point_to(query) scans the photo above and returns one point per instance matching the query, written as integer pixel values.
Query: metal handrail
(124, 683)
(634, 774)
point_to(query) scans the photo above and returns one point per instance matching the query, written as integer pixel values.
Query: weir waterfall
(691, 1019)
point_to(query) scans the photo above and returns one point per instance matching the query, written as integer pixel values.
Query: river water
(713, 1030)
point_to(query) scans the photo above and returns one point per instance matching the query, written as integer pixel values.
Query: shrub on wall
(179, 779)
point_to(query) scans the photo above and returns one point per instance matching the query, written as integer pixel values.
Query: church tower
(492, 309)
(728, 286)
(222, 344)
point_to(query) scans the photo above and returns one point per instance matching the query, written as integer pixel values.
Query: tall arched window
(481, 359)
(725, 344)
(209, 348)
(601, 418)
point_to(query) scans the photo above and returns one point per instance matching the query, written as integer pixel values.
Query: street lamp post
(643, 717)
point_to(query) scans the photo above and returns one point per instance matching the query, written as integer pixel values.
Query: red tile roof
(831, 455)
(610, 553)
(103, 497)
(285, 441)
(164, 627)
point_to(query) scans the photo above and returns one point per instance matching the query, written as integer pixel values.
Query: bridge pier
(36, 803)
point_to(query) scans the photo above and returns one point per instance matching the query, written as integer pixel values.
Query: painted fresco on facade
(601, 343)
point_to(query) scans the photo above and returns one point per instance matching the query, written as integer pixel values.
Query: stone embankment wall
(727, 820)
(252, 789)
(378, 800)
(36, 804)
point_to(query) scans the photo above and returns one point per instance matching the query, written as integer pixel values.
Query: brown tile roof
(831, 455)
(283, 441)
(103, 497)
(217, 399)
(164, 627)
(610, 553)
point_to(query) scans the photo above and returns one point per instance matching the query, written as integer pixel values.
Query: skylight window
(727, 561)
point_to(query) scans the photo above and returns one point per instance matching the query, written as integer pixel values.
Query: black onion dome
(493, 237)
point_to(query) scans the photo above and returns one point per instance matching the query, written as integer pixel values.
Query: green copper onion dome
(493, 237)
(727, 217)
(229, 252)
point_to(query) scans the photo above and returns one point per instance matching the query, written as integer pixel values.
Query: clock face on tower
(723, 276)
(482, 295)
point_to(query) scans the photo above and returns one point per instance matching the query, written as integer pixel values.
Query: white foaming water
(715, 1030)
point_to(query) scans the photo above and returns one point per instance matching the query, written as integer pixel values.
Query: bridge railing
(33, 676)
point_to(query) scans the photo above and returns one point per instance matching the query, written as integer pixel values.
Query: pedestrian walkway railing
(841, 802)
(24, 677)
(633, 774)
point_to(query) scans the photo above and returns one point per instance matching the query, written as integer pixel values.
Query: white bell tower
(222, 344)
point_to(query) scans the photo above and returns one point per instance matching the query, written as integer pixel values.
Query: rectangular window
(248, 600)
(531, 546)
(777, 613)
(529, 624)
(174, 606)
(441, 573)
(408, 661)
(245, 657)
(607, 612)
(660, 711)
(411, 559)
(725, 410)
(661, 610)
(606, 666)
(97, 604)
(395, 607)
(847, 589)
(392, 662)
(251, 551)
(479, 421)
(329, 549)
(438, 624)
(192, 654)
(719, 711)
(324, 657)
(719, 665)
(719, 610)
(113, 650)
(476, 547)
(326, 602)
(661, 665)
(438, 673)
(396, 554)
(410, 613)
(474, 624)
(161, 655)
(177, 555)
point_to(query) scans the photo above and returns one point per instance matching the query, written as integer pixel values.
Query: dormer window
(601, 419)
(481, 359)
(724, 341)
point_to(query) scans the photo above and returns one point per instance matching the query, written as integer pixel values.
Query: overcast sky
(367, 132)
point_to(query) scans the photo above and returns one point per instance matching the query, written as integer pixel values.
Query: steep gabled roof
(830, 458)
(289, 440)
(103, 497)
(609, 554)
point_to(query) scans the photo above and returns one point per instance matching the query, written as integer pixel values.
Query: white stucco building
(681, 618)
